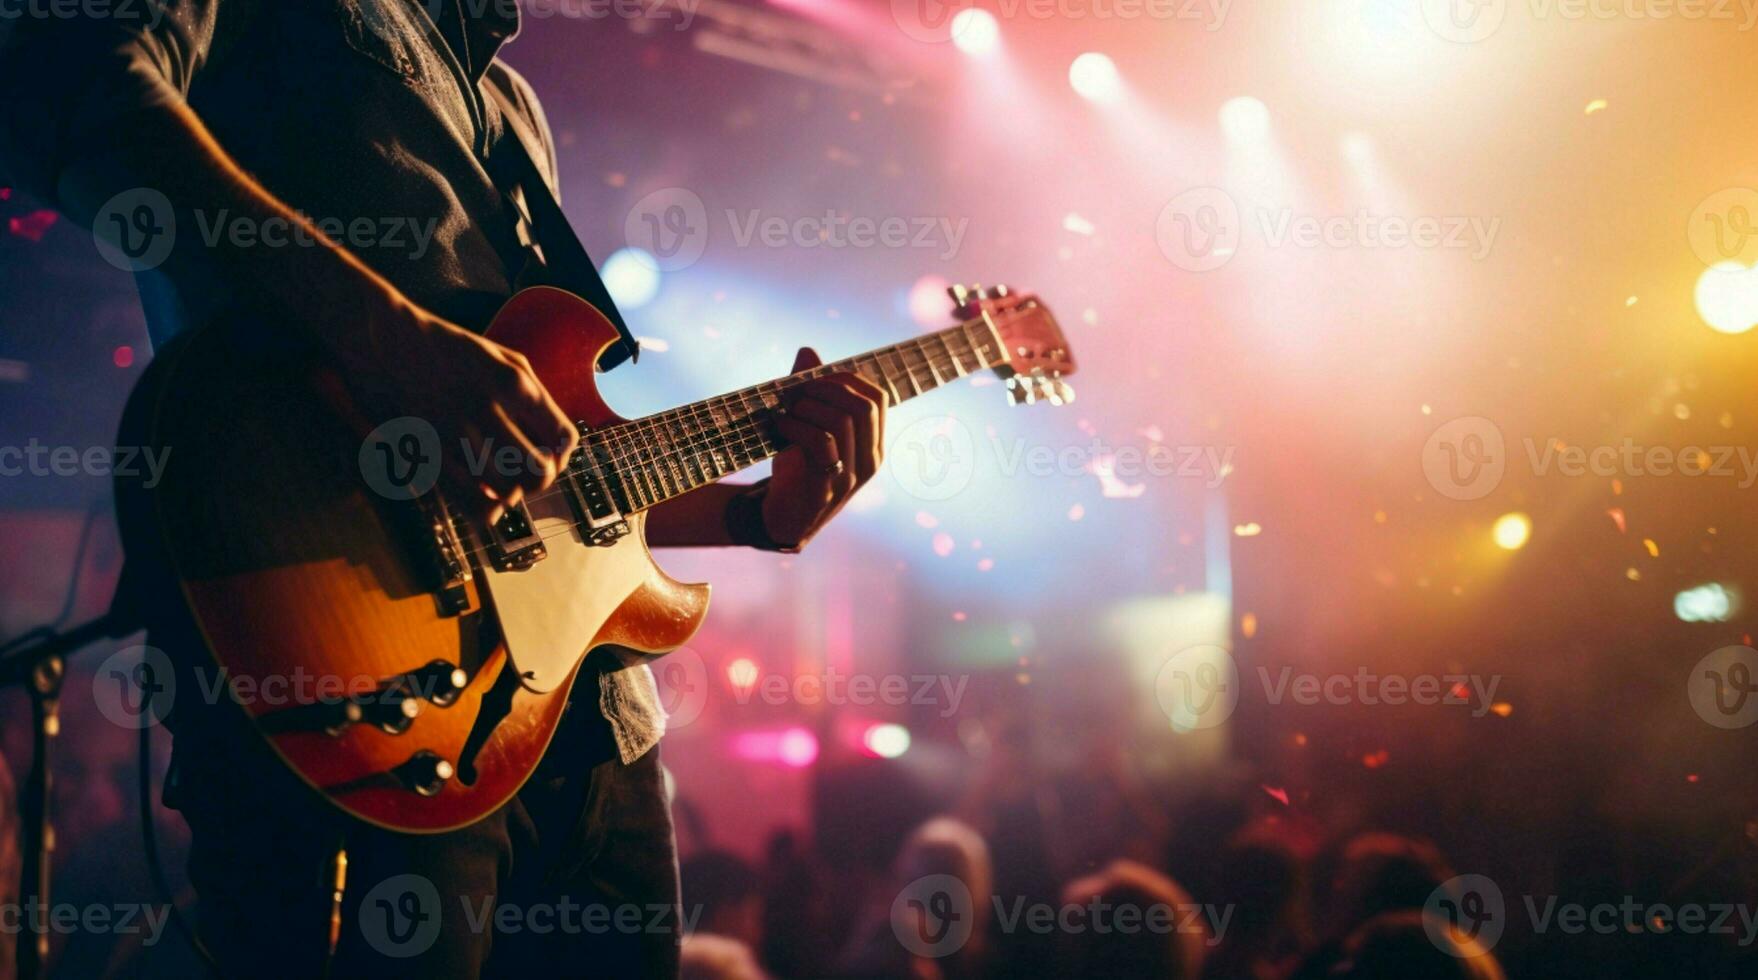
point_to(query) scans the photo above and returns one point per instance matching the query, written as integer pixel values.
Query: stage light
(886, 741)
(798, 748)
(1512, 531)
(794, 747)
(928, 304)
(1727, 297)
(975, 31)
(1245, 119)
(742, 674)
(1358, 150)
(1095, 77)
(1712, 603)
(632, 276)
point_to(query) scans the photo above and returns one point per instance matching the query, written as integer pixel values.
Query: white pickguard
(550, 612)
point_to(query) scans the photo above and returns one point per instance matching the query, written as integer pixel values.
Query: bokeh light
(1512, 531)
(1095, 77)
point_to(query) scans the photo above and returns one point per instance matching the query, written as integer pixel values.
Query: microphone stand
(41, 667)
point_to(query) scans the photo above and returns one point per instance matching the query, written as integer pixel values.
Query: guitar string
(742, 435)
(653, 446)
(636, 427)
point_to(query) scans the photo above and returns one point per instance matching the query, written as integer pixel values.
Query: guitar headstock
(1038, 357)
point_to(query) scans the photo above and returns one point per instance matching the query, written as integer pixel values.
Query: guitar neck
(653, 459)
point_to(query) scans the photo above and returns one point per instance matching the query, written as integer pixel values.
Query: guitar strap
(545, 229)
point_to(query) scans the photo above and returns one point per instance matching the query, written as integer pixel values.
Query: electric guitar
(421, 659)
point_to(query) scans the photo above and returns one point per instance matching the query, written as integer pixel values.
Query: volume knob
(425, 772)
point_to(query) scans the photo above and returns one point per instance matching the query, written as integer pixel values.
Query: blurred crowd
(978, 895)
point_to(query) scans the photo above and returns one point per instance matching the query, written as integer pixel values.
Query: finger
(502, 482)
(841, 426)
(536, 468)
(865, 408)
(806, 358)
(536, 413)
(815, 443)
(477, 493)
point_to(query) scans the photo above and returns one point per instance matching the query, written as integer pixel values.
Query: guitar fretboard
(653, 459)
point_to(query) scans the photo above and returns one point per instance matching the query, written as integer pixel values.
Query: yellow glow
(1512, 531)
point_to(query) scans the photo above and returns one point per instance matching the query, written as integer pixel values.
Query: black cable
(155, 867)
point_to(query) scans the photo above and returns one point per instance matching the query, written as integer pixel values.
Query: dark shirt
(368, 115)
(362, 113)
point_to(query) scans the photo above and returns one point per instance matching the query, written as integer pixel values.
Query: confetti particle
(943, 544)
(1300, 739)
(1277, 793)
(925, 519)
(122, 356)
(1374, 760)
(1076, 512)
(1617, 516)
(1595, 106)
(1248, 625)
(986, 564)
(1250, 530)
(1502, 708)
(959, 616)
(1632, 574)
(1653, 549)
(1077, 224)
(1631, 301)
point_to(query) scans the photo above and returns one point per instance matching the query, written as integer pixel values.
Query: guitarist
(318, 125)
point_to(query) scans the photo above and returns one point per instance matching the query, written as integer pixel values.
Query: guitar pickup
(595, 509)
(514, 544)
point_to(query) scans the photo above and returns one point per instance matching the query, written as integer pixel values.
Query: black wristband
(744, 520)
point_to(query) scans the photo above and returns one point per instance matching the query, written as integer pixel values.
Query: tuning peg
(1019, 391)
(1064, 392)
(998, 291)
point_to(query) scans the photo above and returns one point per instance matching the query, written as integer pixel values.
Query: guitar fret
(646, 461)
